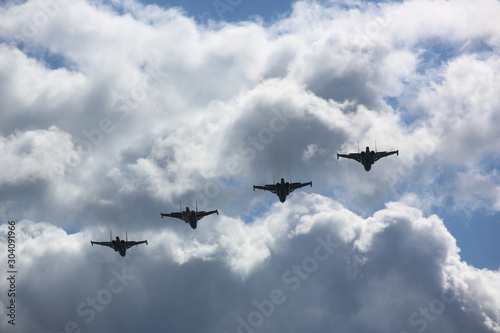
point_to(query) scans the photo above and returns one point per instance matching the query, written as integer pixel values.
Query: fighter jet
(282, 189)
(367, 158)
(189, 216)
(118, 245)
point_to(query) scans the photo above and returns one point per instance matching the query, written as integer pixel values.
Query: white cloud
(33, 89)
(111, 118)
(475, 191)
(311, 245)
(38, 154)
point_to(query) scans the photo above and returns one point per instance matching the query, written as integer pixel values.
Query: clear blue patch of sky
(240, 10)
(490, 163)
(228, 10)
(74, 229)
(477, 235)
(434, 54)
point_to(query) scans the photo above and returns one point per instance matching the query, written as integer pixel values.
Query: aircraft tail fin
(197, 206)
(126, 236)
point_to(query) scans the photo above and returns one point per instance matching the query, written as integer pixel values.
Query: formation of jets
(282, 189)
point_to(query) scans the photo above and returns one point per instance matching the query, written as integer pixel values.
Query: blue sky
(114, 111)
(232, 11)
(477, 237)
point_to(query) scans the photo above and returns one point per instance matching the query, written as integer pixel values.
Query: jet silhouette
(367, 158)
(121, 246)
(282, 189)
(189, 216)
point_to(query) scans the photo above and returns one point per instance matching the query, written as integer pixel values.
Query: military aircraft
(282, 189)
(367, 158)
(118, 245)
(189, 216)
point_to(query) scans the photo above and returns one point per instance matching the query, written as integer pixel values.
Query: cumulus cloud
(309, 263)
(37, 154)
(153, 123)
(113, 111)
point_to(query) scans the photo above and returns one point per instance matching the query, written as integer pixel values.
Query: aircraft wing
(108, 244)
(174, 214)
(381, 154)
(200, 215)
(270, 188)
(352, 156)
(129, 244)
(294, 186)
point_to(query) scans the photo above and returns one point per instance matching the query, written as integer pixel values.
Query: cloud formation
(113, 111)
(307, 264)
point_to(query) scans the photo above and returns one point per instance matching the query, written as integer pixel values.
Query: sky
(112, 112)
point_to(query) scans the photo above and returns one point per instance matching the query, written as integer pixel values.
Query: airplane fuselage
(119, 246)
(189, 217)
(283, 190)
(367, 158)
